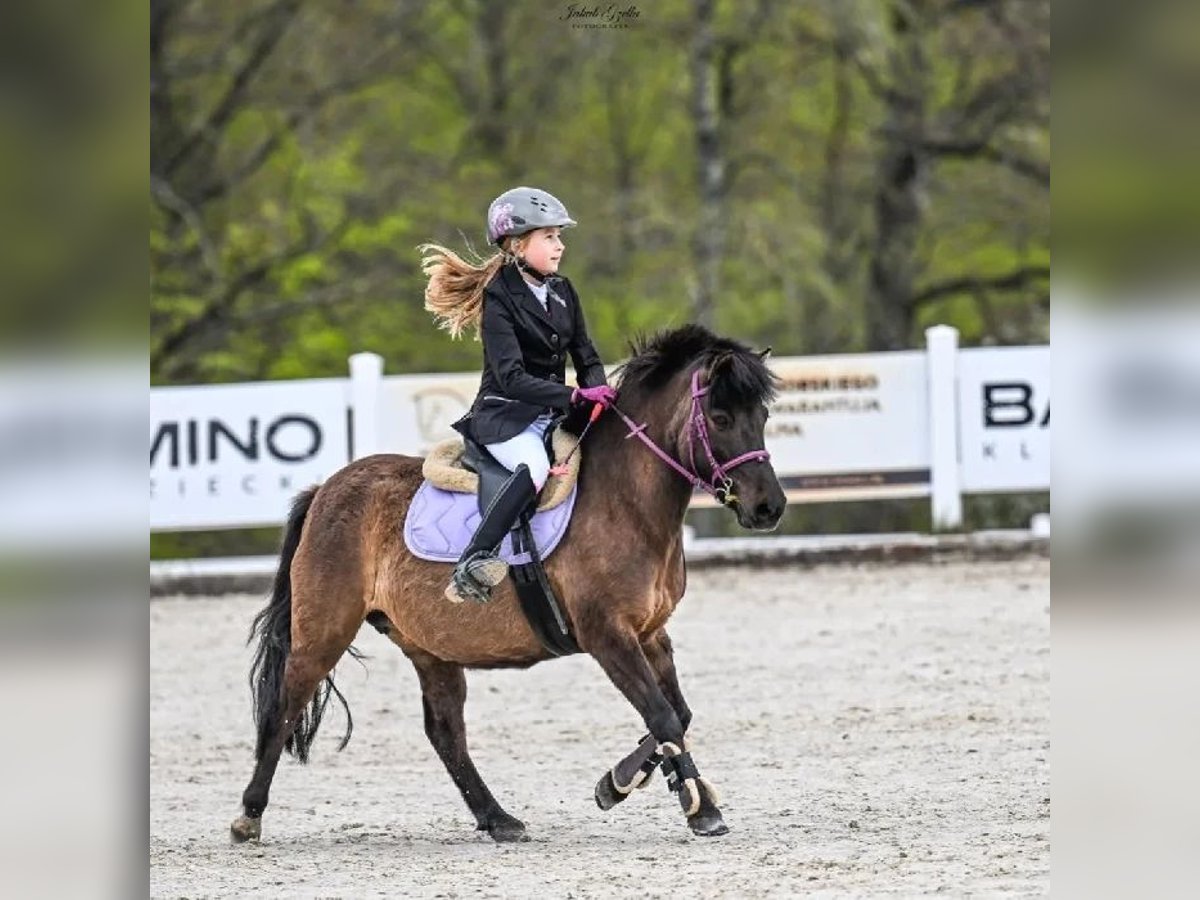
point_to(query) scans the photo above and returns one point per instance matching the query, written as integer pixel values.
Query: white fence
(939, 423)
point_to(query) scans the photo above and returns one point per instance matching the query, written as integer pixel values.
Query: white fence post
(366, 374)
(941, 344)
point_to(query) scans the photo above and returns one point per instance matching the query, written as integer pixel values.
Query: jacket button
(554, 339)
(556, 377)
(554, 358)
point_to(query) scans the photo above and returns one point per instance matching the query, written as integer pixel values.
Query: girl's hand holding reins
(601, 393)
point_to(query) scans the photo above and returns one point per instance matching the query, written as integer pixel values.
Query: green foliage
(366, 130)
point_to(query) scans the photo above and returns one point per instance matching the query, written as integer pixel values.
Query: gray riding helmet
(523, 209)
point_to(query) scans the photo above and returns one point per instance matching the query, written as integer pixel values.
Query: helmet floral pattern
(501, 219)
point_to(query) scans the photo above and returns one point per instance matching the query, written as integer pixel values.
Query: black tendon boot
(479, 569)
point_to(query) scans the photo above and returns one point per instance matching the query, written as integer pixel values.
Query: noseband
(721, 485)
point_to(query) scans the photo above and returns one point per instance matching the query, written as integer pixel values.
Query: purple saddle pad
(440, 523)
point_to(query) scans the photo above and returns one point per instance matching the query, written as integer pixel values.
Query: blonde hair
(454, 293)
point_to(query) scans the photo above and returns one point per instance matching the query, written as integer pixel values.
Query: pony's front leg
(625, 662)
(661, 655)
(636, 770)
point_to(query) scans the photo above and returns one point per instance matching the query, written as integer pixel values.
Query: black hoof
(607, 795)
(245, 829)
(504, 829)
(708, 824)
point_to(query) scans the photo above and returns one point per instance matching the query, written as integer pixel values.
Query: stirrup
(462, 588)
(474, 578)
(487, 569)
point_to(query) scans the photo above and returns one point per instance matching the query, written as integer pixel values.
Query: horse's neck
(640, 490)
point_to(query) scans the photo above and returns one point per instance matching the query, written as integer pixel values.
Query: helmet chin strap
(536, 274)
(539, 277)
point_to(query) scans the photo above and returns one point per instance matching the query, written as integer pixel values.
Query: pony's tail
(273, 627)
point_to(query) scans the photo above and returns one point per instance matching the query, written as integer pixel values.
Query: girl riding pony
(530, 320)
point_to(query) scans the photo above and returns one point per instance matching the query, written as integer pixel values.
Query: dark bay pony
(619, 573)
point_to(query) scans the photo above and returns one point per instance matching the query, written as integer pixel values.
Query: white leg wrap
(640, 779)
(713, 796)
(688, 787)
(693, 807)
(635, 770)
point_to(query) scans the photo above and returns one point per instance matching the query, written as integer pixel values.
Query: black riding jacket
(525, 349)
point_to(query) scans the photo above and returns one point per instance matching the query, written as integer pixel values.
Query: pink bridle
(721, 485)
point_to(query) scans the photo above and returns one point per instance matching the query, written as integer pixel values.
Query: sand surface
(873, 730)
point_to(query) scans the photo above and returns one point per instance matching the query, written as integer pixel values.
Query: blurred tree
(966, 81)
(825, 176)
(257, 190)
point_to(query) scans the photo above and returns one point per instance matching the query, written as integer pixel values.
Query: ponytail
(454, 293)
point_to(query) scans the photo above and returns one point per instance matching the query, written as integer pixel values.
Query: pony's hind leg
(302, 678)
(288, 682)
(443, 695)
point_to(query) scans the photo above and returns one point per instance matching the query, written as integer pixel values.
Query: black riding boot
(479, 569)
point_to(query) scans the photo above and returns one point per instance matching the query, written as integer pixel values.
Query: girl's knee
(539, 472)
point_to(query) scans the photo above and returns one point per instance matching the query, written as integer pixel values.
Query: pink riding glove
(601, 393)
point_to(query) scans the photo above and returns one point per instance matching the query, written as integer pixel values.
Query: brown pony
(343, 561)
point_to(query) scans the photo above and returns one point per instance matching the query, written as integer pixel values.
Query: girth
(538, 602)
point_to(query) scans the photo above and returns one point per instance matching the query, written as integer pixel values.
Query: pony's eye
(721, 420)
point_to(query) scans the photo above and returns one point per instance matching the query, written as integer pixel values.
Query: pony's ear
(722, 361)
(763, 354)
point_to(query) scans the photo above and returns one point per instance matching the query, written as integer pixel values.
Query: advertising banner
(850, 426)
(417, 410)
(844, 427)
(233, 456)
(1004, 419)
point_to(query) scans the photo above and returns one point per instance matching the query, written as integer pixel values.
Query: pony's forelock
(739, 376)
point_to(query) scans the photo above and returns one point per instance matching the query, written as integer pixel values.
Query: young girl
(529, 319)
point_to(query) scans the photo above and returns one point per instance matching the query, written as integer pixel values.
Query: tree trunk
(621, 246)
(824, 332)
(897, 206)
(708, 244)
(493, 128)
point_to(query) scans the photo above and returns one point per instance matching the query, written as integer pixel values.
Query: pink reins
(696, 428)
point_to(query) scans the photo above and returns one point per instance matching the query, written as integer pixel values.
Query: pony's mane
(742, 378)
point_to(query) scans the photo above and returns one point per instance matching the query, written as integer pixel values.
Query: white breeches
(528, 448)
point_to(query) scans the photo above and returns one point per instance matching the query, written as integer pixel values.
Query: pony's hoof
(607, 796)
(708, 824)
(507, 830)
(245, 829)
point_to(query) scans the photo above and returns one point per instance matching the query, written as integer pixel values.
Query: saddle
(460, 465)
(461, 477)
